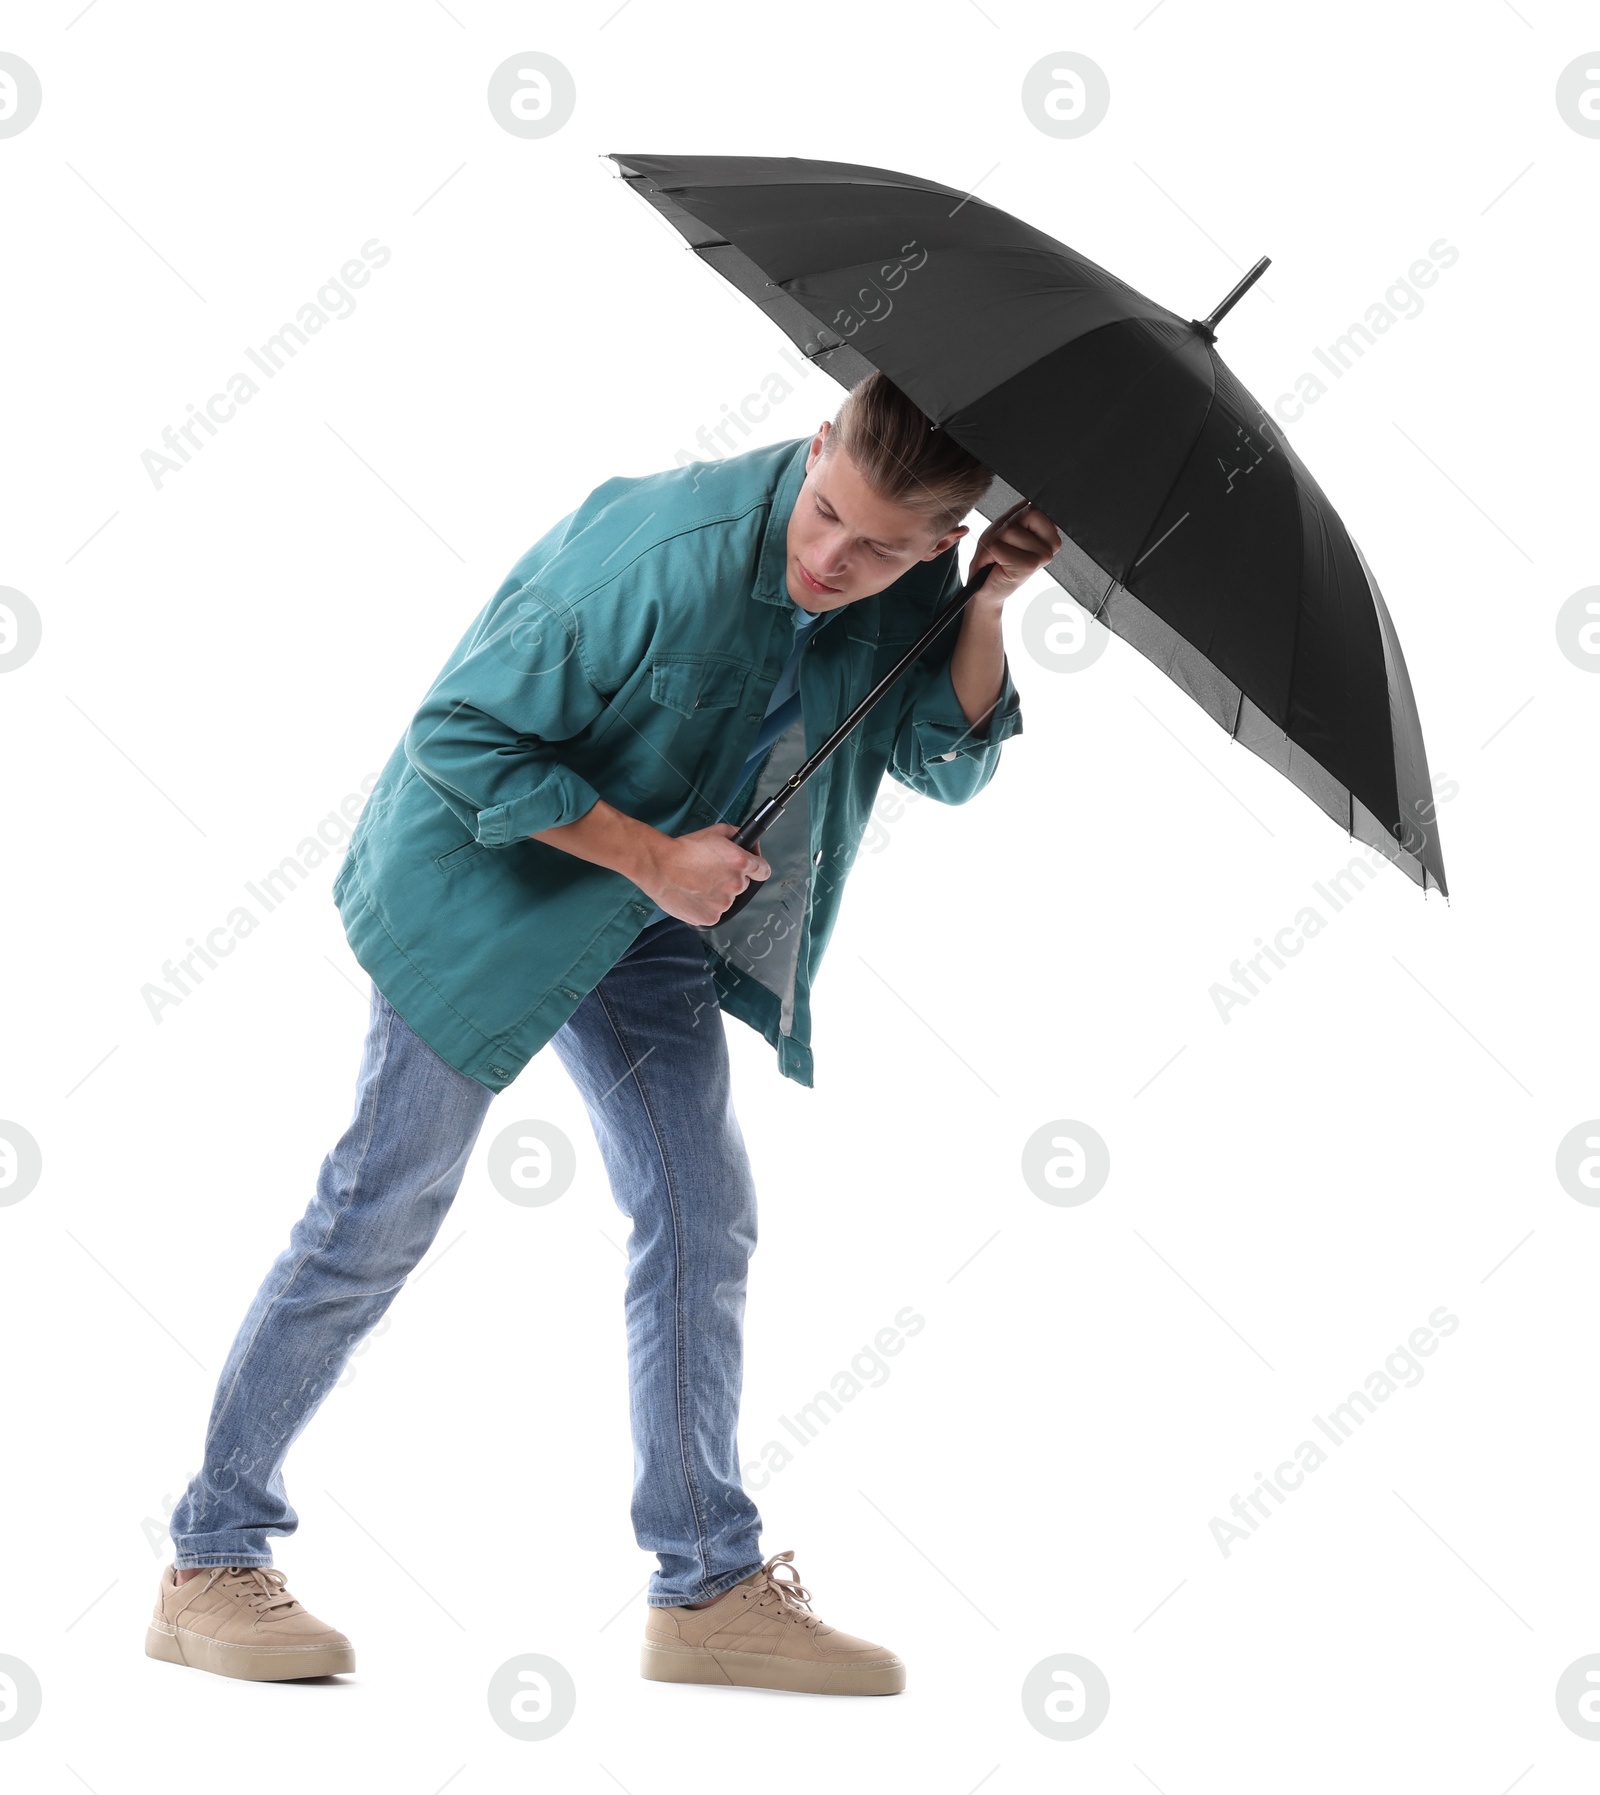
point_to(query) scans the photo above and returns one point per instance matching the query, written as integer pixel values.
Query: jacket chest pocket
(692, 683)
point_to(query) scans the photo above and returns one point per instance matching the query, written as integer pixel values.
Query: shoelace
(793, 1598)
(260, 1585)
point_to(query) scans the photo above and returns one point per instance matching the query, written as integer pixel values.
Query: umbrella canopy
(1190, 527)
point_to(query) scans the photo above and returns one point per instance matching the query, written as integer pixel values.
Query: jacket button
(950, 756)
(816, 858)
(566, 993)
(498, 1072)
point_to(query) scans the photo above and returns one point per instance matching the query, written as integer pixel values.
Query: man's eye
(881, 555)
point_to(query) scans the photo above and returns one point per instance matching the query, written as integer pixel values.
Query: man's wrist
(989, 600)
(606, 836)
(644, 848)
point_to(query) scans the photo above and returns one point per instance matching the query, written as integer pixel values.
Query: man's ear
(947, 540)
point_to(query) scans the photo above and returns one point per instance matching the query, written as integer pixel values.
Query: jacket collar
(772, 585)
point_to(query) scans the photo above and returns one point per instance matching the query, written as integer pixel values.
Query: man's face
(845, 538)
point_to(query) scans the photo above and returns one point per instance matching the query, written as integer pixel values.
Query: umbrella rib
(902, 184)
(1294, 641)
(1211, 401)
(1075, 342)
(1021, 371)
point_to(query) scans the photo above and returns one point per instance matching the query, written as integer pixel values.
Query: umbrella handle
(746, 836)
(765, 815)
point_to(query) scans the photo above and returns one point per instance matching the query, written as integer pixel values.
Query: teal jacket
(630, 655)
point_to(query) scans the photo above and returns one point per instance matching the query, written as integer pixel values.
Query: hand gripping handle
(767, 813)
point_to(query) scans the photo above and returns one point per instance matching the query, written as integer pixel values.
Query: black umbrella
(1189, 526)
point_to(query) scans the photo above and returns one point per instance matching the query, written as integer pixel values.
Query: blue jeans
(647, 1051)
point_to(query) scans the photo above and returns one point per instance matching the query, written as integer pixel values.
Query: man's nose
(833, 564)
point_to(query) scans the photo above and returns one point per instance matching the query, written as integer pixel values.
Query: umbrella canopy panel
(1190, 527)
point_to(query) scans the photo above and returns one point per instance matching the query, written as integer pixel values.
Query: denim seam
(695, 1503)
(389, 1014)
(213, 1564)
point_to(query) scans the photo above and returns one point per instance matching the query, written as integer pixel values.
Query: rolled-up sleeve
(487, 737)
(937, 752)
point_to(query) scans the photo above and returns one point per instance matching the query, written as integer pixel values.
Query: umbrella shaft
(760, 820)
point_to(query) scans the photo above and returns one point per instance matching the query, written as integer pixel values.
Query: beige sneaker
(243, 1623)
(761, 1634)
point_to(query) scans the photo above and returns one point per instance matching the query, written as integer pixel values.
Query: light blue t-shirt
(782, 709)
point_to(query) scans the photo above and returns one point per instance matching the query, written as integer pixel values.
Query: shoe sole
(250, 1663)
(761, 1670)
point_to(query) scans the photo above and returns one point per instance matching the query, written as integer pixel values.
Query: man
(545, 860)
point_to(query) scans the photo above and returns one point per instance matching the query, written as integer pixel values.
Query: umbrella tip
(1207, 326)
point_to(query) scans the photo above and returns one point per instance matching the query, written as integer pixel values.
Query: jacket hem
(490, 1061)
(758, 1007)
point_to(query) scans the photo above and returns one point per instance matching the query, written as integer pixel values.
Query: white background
(225, 658)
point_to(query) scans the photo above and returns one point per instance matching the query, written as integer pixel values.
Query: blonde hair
(903, 458)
